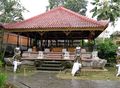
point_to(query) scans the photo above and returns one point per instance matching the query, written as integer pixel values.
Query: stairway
(53, 62)
(51, 65)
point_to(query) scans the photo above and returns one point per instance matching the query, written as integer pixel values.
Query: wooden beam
(42, 33)
(56, 29)
(67, 32)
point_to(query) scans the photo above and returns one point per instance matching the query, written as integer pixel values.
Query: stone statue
(76, 67)
(97, 62)
(16, 58)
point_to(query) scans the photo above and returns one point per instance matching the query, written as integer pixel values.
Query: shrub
(1, 63)
(3, 79)
(107, 50)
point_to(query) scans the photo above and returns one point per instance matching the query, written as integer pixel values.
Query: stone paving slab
(91, 69)
(48, 80)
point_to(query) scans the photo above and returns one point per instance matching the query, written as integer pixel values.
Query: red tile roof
(59, 17)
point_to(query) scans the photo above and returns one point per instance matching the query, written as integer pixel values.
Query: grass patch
(3, 79)
(8, 85)
(20, 72)
(91, 75)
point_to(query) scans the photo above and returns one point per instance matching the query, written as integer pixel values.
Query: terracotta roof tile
(57, 18)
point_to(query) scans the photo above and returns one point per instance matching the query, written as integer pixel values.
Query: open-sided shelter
(58, 27)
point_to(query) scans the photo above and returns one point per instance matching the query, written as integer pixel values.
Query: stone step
(52, 62)
(50, 68)
(51, 65)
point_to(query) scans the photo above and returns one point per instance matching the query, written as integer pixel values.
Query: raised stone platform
(92, 69)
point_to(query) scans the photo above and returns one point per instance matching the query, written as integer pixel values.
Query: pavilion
(56, 29)
(59, 27)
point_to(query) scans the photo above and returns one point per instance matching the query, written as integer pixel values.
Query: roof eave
(56, 29)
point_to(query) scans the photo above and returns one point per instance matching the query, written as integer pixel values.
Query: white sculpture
(29, 51)
(16, 58)
(76, 67)
(47, 50)
(16, 63)
(78, 51)
(118, 72)
(97, 62)
(64, 50)
(118, 54)
(17, 51)
(94, 54)
(66, 55)
(40, 55)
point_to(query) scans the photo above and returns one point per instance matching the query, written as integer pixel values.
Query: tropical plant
(79, 6)
(3, 79)
(106, 10)
(10, 11)
(107, 50)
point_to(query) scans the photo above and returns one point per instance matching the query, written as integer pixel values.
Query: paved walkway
(49, 80)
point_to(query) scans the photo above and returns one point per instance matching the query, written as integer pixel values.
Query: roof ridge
(60, 9)
(84, 17)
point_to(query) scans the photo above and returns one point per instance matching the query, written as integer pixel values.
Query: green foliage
(89, 45)
(67, 64)
(75, 5)
(3, 79)
(11, 10)
(115, 34)
(106, 10)
(1, 55)
(107, 50)
(1, 63)
(2, 46)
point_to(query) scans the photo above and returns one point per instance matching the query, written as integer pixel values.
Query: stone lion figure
(97, 62)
